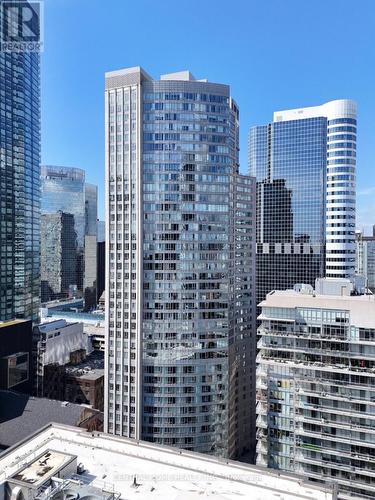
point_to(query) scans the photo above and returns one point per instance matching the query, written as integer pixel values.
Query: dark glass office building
(58, 255)
(19, 185)
(288, 160)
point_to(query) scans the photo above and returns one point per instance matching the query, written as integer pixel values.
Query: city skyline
(282, 75)
(226, 303)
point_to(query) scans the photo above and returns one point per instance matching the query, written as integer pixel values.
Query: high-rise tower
(19, 184)
(316, 385)
(179, 308)
(64, 189)
(305, 162)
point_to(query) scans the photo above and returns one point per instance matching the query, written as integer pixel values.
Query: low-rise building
(54, 343)
(84, 383)
(15, 355)
(61, 462)
(316, 385)
(93, 323)
(22, 415)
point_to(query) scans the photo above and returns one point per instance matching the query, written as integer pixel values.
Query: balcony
(261, 371)
(345, 482)
(330, 409)
(304, 457)
(262, 460)
(262, 382)
(326, 435)
(336, 396)
(262, 447)
(333, 423)
(261, 434)
(261, 395)
(261, 408)
(261, 422)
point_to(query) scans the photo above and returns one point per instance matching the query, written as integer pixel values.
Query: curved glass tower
(341, 118)
(305, 165)
(180, 264)
(19, 185)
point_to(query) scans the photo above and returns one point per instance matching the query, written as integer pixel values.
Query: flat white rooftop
(138, 470)
(330, 109)
(361, 307)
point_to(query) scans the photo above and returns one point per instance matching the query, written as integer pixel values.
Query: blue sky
(275, 54)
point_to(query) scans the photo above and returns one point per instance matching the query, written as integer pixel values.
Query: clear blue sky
(275, 54)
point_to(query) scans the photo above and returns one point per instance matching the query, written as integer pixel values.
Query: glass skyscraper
(90, 265)
(289, 162)
(58, 251)
(91, 209)
(19, 185)
(304, 162)
(179, 308)
(64, 189)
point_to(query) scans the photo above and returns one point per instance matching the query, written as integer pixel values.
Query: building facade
(53, 342)
(316, 386)
(305, 164)
(84, 386)
(15, 356)
(64, 189)
(179, 307)
(365, 258)
(19, 185)
(58, 255)
(90, 273)
(100, 269)
(100, 230)
(90, 267)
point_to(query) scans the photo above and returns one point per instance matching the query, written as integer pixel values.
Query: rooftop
(184, 75)
(4, 324)
(361, 307)
(85, 374)
(140, 470)
(331, 109)
(21, 415)
(91, 368)
(63, 304)
(48, 326)
(77, 317)
(137, 75)
(42, 467)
